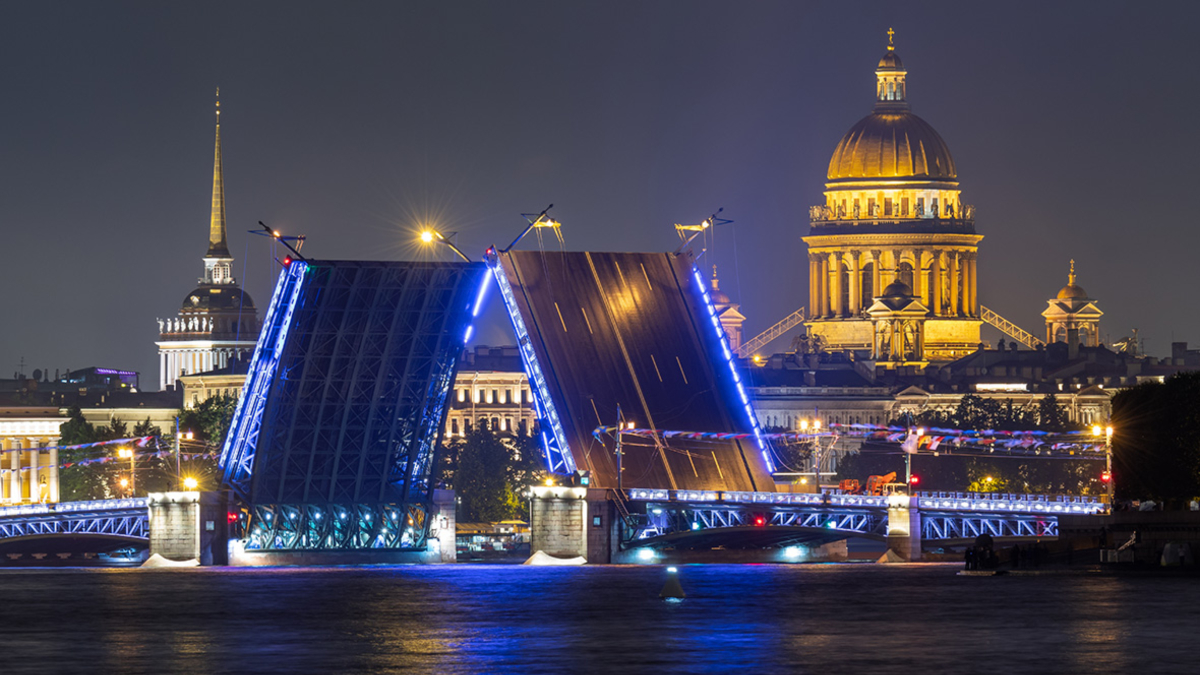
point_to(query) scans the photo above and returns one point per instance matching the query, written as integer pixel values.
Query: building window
(887, 206)
(920, 207)
(496, 424)
(462, 394)
(478, 393)
(523, 426)
(904, 206)
(453, 425)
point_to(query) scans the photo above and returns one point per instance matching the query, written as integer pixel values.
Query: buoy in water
(672, 590)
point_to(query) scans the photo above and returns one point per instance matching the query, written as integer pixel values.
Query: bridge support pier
(189, 526)
(570, 522)
(904, 527)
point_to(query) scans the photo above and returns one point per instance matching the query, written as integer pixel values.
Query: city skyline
(641, 122)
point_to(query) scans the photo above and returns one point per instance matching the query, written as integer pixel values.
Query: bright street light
(190, 483)
(430, 236)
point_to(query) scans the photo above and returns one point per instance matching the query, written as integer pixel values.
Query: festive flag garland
(140, 441)
(937, 440)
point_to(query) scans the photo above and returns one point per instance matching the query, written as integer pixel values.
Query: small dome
(890, 61)
(1072, 292)
(216, 298)
(897, 289)
(892, 145)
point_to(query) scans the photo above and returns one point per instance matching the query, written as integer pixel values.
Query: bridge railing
(954, 501)
(74, 507)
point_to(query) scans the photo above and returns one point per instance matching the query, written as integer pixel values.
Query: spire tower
(218, 262)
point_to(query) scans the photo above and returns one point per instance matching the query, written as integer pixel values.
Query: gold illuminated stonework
(893, 213)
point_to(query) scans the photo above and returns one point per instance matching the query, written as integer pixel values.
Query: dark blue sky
(1072, 126)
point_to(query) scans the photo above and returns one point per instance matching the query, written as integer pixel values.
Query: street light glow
(427, 236)
(190, 483)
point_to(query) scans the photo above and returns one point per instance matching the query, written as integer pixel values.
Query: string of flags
(105, 460)
(139, 441)
(1065, 445)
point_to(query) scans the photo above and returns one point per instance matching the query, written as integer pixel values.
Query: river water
(515, 619)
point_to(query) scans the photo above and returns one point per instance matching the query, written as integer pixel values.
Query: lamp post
(128, 453)
(430, 236)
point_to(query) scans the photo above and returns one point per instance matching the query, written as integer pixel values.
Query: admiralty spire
(217, 323)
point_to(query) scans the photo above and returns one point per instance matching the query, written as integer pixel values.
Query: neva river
(511, 619)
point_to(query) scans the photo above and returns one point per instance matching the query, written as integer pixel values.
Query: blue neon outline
(558, 453)
(724, 341)
(241, 443)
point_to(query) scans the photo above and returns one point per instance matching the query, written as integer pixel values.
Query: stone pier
(189, 526)
(904, 527)
(570, 522)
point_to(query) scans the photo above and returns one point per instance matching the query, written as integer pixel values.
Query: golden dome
(890, 61)
(892, 145)
(1072, 292)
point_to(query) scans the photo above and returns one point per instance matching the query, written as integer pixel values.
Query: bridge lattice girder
(124, 518)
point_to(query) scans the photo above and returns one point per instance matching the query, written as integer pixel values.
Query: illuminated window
(920, 206)
(933, 208)
(478, 394)
(462, 394)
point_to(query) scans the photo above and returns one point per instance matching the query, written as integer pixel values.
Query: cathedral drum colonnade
(893, 215)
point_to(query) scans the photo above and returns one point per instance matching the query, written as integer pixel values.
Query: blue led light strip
(737, 380)
(475, 310)
(558, 453)
(237, 455)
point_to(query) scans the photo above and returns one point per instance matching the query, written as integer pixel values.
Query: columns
(35, 483)
(955, 283)
(973, 289)
(14, 475)
(877, 262)
(53, 477)
(855, 285)
(814, 303)
(936, 280)
(823, 286)
(836, 310)
(918, 274)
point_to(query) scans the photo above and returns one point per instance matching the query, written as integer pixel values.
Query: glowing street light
(124, 453)
(190, 483)
(430, 236)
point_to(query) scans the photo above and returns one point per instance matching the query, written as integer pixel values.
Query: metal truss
(237, 454)
(663, 519)
(935, 526)
(554, 439)
(346, 402)
(127, 518)
(334, 527)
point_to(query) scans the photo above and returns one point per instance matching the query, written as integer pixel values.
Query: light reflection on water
(469, 619)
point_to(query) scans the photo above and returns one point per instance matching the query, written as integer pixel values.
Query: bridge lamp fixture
(803, 425)
(431, 236)
(645, 554)
(124, 453)
(793, 552)
(190, 483)
(816, 425)
(124, 482)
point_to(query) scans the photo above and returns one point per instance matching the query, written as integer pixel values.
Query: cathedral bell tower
(893, 213)
(217, 322)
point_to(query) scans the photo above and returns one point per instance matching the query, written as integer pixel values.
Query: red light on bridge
(914, 480)
(231, 517)
(759, 521)
(287, 260)
(1105, 477)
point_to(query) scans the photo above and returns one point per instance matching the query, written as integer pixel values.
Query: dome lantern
(889, 80)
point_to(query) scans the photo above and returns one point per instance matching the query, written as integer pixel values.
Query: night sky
(1072, 125)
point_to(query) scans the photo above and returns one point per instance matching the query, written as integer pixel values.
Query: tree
(480, 477)
(1051, 415)
(1156, 440)
(210, 420)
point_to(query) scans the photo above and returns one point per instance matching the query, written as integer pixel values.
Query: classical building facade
(490, 390)
(217, 322)
(1072, 317)
(893, 213)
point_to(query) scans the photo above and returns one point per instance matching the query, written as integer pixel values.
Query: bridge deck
(630, 329)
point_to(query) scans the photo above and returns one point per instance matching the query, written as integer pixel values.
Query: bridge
(332, 453)
(71, 527)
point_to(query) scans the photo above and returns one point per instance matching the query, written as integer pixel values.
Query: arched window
(906, 273)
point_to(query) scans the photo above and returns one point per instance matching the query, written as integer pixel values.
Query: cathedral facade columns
(936, 279)
(855, 284)
(836, 310)
(955, 284)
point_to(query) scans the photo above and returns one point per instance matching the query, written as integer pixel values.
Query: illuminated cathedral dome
(1072, 291)
(892, 145)
(218, 299)
(891, 142)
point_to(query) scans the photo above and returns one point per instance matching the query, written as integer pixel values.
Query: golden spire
(1071, 275)
(891, 47)
(217, 247)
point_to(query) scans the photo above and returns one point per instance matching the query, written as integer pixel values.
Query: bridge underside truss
(128, 519)
(345, 402)
(698, 526)
(334, 527)
(959, 526)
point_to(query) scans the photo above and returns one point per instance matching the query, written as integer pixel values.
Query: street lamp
(124, 453)
(190, 483)
(430, 236)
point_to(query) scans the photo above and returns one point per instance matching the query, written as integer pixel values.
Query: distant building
(491, 389)
(217, 322)
(227, 381)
